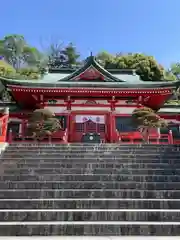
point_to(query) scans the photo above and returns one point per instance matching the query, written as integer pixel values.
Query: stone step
(93, 151)
(84, 163)
(83, 157)
(102, 145)
(146, 151)
(90, 203)
(48, 158)
(84, 193)
(97, 147)
(87, 150)
(157, 158)
(97, 150)
(100, 165)
(151, 215)
(80, 159)
(90, 185)
(108, 164)
(138, 150)
(91, 177)
(81, 228)
(69, 189)
(89, 170)
(91, 145)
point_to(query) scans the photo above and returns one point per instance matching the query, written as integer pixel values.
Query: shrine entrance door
(88, 128)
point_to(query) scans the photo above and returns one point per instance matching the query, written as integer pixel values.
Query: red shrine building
(93, 104)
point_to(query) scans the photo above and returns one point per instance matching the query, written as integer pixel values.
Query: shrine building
(93, 104)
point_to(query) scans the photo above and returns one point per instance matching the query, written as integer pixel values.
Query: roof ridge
(91, 61)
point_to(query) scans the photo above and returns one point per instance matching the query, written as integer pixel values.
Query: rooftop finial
(91, 54)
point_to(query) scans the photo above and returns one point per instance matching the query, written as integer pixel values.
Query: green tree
(175, 70)
(6, 69)
(173, 73)
(42, 123)
(28, 73)
(105, 58)
(17, 52)
(54, 50)
(60, 55)
(145, 66)
(170, 76)
(146, 120)
(71, 54)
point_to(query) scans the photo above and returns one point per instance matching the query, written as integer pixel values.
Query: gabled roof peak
(92, 70)
(93, 61)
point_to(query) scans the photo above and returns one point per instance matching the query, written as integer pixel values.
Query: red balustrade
(137, 138)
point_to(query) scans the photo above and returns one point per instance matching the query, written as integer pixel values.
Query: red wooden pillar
(139, 101)
(69, 126)
(5, 123)
(108, 128)
(171, 140)
(113, 102)
(112, 124)
(68, 102)
(111, 127)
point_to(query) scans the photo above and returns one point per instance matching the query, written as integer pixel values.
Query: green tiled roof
(112, 79)
(63, 77)
(129, 78)
(89, 84)
(53, 77)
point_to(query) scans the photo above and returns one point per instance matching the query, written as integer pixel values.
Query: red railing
(59, 137)
(127, 137)
(136, 138)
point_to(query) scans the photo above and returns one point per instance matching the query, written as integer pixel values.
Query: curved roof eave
(76, 84)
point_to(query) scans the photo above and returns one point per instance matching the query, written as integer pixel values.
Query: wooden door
(88, 126)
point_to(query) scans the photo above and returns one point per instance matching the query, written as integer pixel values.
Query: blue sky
(113, 25)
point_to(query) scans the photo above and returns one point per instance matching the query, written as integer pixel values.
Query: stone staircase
(90, 190)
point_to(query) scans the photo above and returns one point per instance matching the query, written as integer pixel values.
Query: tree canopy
(17, 52)
(28, 61)
(145, 66)
(146, 117)
(6, 69)
(175, 70)
(59, 54)
(19, 59)
(42, 123)
(71, 54)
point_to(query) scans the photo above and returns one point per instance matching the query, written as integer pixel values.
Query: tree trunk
(145, 133)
